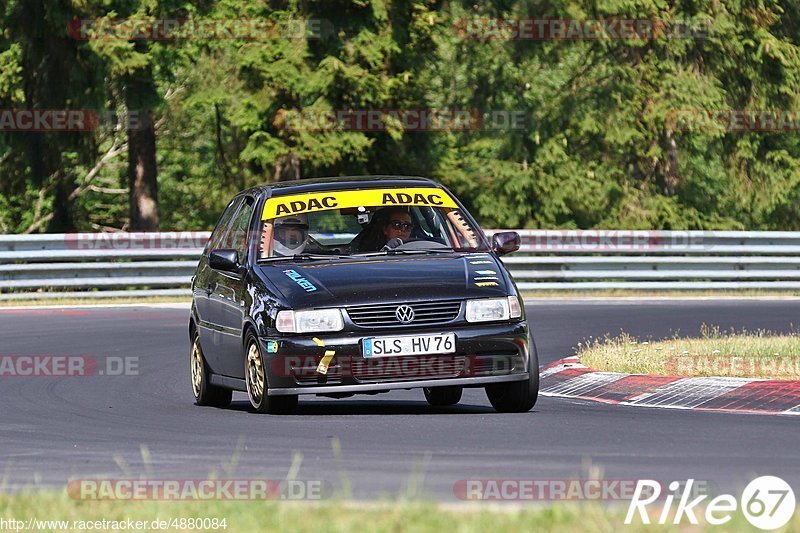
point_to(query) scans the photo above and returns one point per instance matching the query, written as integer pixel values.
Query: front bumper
(485, 354)
(385, 387)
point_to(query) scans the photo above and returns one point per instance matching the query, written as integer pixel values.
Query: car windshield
(366, 222)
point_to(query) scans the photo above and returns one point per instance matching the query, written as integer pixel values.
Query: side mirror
(225, 260)
(506, 242)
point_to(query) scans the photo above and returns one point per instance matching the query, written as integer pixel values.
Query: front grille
(425, 314)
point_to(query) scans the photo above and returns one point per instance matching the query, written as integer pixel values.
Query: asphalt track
(53, 429)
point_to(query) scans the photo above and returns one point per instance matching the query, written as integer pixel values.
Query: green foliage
(598, 147)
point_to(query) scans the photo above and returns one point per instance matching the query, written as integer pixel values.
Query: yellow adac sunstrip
(324, 201)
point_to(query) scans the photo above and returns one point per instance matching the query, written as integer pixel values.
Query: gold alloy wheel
(255, 375)
(197, 368)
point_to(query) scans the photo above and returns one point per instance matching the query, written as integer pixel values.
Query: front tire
(204, 392)
(519, 396)
(255, 373)
(443, 396)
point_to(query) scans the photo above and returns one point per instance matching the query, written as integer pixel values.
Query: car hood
(356, 281)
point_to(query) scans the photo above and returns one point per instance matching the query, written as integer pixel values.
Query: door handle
(211, 288)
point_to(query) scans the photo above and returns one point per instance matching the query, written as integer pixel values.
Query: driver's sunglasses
(399, 224)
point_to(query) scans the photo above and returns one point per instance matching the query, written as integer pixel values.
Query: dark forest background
(599, 147)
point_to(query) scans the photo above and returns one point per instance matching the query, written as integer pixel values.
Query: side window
(240, 227)
(222, 225)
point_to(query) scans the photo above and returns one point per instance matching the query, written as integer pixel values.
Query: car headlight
(488, 309)
(309, 321)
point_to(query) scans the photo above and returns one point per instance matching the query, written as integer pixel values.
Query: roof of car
(338, 183)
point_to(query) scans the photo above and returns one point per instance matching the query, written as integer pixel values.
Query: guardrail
(556, 260)
(161, 264)
(83, 265)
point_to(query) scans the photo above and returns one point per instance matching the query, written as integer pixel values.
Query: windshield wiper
(406, 252)
(302, 257)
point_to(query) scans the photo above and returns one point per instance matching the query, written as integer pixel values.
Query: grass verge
(341, 516)
(751, 354)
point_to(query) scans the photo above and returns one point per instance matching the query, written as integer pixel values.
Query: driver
(290, 234)
(388, 224)
(398, 225)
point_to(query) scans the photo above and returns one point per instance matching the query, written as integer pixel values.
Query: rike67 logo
(767, 502)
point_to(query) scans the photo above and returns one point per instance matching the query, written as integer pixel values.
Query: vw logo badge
(404, 314)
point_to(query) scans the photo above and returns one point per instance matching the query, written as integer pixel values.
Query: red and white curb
(568, 378)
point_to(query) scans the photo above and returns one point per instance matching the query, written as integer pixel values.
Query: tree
(599, 145)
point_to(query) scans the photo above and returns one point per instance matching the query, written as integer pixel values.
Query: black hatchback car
(343, 286)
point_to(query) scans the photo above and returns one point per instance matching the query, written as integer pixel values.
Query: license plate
(409, 345)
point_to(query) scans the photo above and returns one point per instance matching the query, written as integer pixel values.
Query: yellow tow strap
(322, 368)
